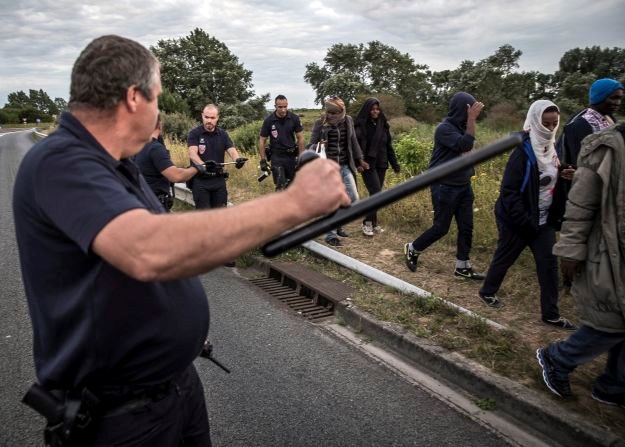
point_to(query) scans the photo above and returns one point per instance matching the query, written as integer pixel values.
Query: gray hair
(106, 68)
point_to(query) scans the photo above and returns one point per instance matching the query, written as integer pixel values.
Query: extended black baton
(384, 198)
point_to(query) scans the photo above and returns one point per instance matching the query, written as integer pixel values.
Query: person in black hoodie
(374, 137)
(452, 197)
(523, 212)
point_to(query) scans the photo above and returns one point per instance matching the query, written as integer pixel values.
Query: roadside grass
(502, 351)
(28, 125)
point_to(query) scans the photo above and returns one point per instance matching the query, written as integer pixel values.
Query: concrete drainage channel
(309, 293)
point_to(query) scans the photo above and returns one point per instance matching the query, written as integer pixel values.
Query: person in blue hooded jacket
(523, 212)
(452, 197)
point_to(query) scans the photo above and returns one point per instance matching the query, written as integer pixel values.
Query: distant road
(292, 383)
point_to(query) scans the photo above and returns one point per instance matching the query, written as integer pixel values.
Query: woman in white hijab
(523, 213)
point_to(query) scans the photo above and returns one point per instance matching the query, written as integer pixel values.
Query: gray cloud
(39, 40)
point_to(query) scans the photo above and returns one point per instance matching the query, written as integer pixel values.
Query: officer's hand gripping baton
(384, 198)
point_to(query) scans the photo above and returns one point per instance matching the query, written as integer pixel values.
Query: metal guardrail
(184, 194)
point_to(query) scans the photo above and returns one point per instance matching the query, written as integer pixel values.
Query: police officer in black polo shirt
(159, 171)
(208, 143)
(282, 128)
(118, 315)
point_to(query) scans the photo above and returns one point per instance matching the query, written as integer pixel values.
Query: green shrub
(414, 150)
(245, 137)
(177, 125)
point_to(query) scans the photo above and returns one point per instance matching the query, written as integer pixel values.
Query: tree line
(32, 106)
(198, 68)
(351, 71)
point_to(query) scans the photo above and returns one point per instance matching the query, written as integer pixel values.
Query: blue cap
(601, 89)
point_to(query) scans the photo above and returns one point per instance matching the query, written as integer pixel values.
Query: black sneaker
(341, 232)
(334, 241)
(608, 399)
(561, 323)
(411, 257)
(556, 385)
(491, 301)
(469, 274)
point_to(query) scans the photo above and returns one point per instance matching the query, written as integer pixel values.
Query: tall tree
(60, 104)
(494, 80)
(601, 62)
(170, 102)
(41, 101)
(201, 69)
(36, 101)
(350, 70)
(580, 67)
(18, 100)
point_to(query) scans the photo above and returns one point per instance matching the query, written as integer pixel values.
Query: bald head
(210, 116)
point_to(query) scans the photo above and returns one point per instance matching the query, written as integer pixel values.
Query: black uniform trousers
(177, 419)
(283, 168)
(210, 193)
(509, 247)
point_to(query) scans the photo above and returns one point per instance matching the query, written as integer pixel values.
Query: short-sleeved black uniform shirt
(281, 132)
(211, 146)
(93, 325)
(153, 159)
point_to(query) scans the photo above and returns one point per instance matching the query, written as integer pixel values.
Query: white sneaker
(378, 229)
(367, 229)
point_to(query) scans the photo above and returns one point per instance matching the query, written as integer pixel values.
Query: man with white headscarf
(522, 212)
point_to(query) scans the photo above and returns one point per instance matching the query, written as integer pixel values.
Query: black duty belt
(115, 396)
(285, 151)
(125, 399)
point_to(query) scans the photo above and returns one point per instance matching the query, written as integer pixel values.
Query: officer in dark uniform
(117, 311)
(282, 128)
(159, 171)
(208, 143)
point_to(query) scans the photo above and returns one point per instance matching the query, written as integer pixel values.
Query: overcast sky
(39, 40)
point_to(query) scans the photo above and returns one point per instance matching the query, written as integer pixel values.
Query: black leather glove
(263, 165)
(240, 162)
(211, 166)
(201, 169)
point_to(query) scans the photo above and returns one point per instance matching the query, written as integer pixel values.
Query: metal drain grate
(303, 305)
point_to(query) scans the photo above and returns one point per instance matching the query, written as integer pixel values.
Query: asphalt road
(292, 383)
